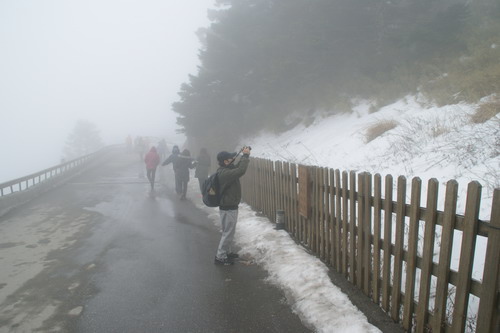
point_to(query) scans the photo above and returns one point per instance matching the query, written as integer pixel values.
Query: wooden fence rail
(398, 253)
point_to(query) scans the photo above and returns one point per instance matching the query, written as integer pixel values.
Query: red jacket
(152, 159)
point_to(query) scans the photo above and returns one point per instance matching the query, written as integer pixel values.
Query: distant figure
(203, 163)
(146, 144)
(182, 164)
(128, 142)
(140, 147)
(152, 160)
(162, 149)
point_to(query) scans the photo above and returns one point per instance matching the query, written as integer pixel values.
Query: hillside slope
(411, 137)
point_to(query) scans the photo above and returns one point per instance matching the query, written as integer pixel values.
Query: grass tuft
(486, 111)
(379, 128)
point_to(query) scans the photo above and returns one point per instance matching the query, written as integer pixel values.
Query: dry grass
(486, 111)
(379, 128)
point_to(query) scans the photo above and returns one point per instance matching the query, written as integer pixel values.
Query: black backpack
(210, 190)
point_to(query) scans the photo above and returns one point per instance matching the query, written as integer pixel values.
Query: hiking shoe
(225, 262)
(233, 255)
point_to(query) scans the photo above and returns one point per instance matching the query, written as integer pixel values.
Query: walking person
(140, 147)
(128, 142)
(182, 164)
(173, 156)
(229, 181)
(203, 164)
(171, 159)
(162, 149)
(152, 159)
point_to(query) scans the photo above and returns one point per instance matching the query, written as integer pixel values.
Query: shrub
(438, 129)
(377, 129)
(486, 111)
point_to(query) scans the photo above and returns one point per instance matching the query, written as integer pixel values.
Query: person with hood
(173, 156)
(171, 159)
(203, 163)
(182, 164)
(229, 182)
(152, 159)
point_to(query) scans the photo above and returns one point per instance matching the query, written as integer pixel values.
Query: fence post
(293, 189)
(377, 208)
(352, 227)
(338, 222)
(314, 234)
(367, 231)
(326, 208)
(466, 256)
(386, 272)
(488, 316)
(443, 274)
(427, 254)
(333, 196)
(360, 244)
(287, 194)
(321, 213)
(345, 221)
(411, 262)
(398, 249)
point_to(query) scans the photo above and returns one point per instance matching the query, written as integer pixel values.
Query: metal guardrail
(28, 182)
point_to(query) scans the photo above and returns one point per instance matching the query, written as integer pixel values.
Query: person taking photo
(229, 175)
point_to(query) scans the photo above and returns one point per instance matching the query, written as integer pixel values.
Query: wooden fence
(388, 247)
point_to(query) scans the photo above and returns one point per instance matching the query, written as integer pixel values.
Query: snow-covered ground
(303, 277)
(426, 142)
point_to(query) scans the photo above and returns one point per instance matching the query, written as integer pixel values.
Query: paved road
(100, 254)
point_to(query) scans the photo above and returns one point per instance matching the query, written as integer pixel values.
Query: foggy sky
(117, 63)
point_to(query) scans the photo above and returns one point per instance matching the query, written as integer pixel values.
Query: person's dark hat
(224, 155)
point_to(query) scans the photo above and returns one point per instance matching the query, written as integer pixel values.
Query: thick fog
(116, 63)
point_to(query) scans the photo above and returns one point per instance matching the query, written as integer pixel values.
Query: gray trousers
(228, 219)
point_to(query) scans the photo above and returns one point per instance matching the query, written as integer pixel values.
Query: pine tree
(84, 139)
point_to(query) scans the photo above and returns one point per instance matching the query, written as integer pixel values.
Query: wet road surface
(103, 254)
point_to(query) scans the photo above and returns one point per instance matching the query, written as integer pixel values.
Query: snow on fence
(399, 254)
